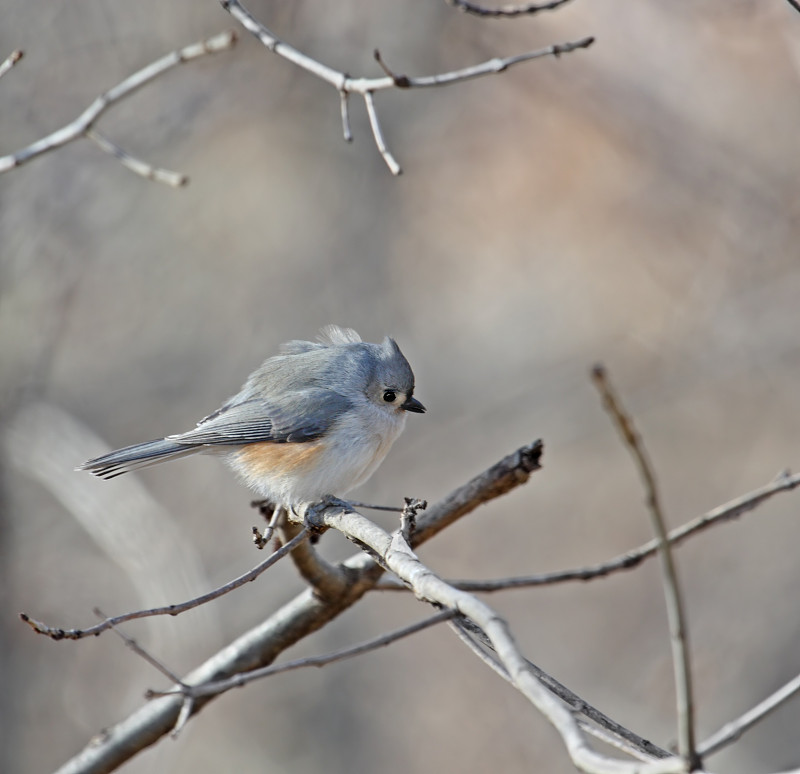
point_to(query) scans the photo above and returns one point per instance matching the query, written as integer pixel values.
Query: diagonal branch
(366, 87)
(675, 614)
(238, 680)
(83, 125)
(732, 731)
(786, 482)
(631, 742)
(181, 607)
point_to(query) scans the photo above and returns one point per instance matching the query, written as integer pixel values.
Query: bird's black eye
(389, 396)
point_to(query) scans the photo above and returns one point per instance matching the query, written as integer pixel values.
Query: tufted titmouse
(312, 422)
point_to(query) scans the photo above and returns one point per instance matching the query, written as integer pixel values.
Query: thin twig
(78, 634)
(630, 559)
(220, 686)
(147, 171)
(85, 122)
(275, 515)
(366, 87)
(347, 132)
(677, 622)
(10, 61)
(505, 11)
(380, 143)
(730, 732)
(391, 508)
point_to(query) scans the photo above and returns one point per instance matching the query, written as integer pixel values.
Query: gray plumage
(298, 396)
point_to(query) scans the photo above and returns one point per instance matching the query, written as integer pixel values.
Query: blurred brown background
(636, 203)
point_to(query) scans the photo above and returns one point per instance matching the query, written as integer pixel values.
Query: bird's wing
(297, 417)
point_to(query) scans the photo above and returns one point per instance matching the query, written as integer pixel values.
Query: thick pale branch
(679, 635)
(299, 618)
(366, 87)
(85, 122)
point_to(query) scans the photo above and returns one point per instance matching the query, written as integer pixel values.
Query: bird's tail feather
(139, 455)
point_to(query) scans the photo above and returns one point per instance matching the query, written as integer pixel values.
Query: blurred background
(635, 203)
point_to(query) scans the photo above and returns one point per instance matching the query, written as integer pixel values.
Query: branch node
(10, 61)
(401, 81)
(408, 518)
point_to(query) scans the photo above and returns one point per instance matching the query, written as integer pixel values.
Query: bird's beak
(412, 404)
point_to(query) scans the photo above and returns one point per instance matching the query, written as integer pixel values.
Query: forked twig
(366, 87)
(83, 125)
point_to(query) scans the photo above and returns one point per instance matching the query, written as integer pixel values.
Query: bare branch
(366, 87)
(510, 472)
(84, 123)
(732, 731)
(505, 11)
(78, 634)
(297, 619)
(215, 688)
(626, 739)
(396, 555)
(10, 61)
(677, 624)
(730, 510)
